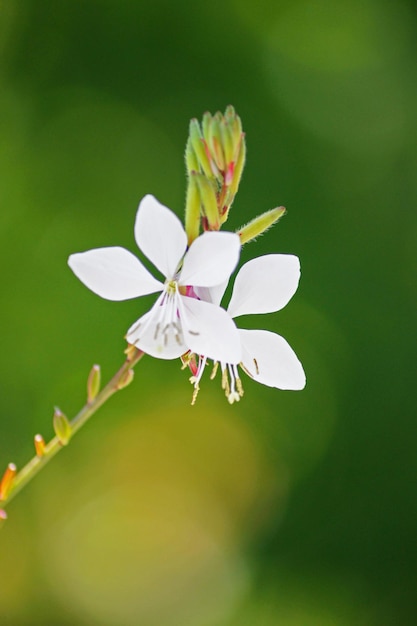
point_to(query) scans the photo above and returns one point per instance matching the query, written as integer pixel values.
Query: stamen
(234, 389)
(214, 370)
(225, 381)
(195, 393)
(178, 332)
(195, 380)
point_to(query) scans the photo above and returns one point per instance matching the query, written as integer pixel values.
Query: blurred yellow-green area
(286, 509)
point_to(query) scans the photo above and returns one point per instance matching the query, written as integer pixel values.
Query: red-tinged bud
(215, 152)
(7, 481)
(229, 173)
(239, 165)
(39, 446)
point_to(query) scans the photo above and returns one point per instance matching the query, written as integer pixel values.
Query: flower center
(163, 319)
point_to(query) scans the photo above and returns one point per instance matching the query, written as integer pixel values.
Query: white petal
(212, 294)
(209, 331)
(270, 360)
(160, 235)
(113, 273)
(265, 284)
(148, 335)
(211, 259)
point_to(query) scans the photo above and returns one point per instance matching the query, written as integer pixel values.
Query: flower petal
(160, 235)
(148, 335)
(270, 360)
(265, 284)
(211, 259)
(113, 273)
(212, 294)
(209, 331)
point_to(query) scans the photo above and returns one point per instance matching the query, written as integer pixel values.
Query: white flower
(177, 322)
(263, 285)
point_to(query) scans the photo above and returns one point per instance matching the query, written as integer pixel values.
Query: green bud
(214, 141)
(209, 201)
(235, 126)
(207, 117)
(125, 379)
(228, 144)
(260, 224)
(197, 143)
(93, 383)
(62, 427)
(192, 209)
(191, 161)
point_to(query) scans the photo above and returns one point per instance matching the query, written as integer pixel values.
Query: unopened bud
(197, 144)
(62, 427)
(3, 517)
(207, 117)
(191, 160)
(125, 379)
(234, 123)
(230, 152)
(215, 141)
(7, 481)
(93, 383)
(239, 165)
(39, 446)
(209, 201)
(192, 209)
(260, 224)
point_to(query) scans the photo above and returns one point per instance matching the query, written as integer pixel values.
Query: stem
(29, 471)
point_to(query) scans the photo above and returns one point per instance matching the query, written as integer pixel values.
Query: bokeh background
(287, 509)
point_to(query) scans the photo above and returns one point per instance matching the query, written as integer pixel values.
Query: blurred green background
(287, 509)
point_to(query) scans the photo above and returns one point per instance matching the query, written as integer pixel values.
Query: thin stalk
(120, 380)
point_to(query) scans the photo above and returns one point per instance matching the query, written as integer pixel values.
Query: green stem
(29, 471)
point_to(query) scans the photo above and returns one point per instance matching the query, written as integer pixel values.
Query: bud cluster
(214, 156)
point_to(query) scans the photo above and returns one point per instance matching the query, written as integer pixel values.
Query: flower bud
(7, 481)
(216, 152)
(39, 446)
(214, 141)
(125, 379)
(197, 143)
(62, 427)
(3, 517)
(208, 200)
(191, 160)
(93, 383)
(260, 224)
(192, 209)
(239, 165)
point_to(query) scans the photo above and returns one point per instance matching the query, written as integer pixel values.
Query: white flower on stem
(263, 285)
(176, 322)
